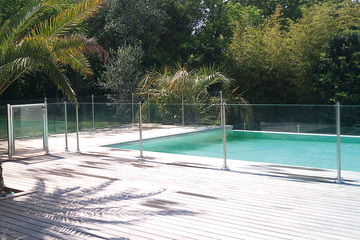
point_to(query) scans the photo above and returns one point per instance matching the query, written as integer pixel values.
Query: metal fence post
(66, 129)
(182, 109)
(10, 132)
(77, 129)
(93, 111)
(149, 107)
(132, 109)
(45, 128)
(221, 111)
(339, 179)
(141, 157)
(225, 166)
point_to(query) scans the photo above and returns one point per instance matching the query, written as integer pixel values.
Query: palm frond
(69, 51)
(59, 44)
(22, 54)
(8, 75)
(150, 80)
(91, 46)
(78, 43)
(181, 78)
(60, 80)
(31, 56)
(19, 24)
(76, 60)
(67, 19)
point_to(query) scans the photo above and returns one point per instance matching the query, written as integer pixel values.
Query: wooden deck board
(40, 224)
(113, 196)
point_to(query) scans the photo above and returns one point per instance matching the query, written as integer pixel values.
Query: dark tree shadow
(77, 211)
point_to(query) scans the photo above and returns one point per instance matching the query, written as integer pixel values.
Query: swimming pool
(309, 150)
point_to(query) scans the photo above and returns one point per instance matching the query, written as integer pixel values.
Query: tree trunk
(1, 178)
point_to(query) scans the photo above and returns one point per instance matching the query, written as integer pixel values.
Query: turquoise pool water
(318, 151)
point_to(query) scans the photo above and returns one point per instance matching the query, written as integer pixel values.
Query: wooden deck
(110, 195)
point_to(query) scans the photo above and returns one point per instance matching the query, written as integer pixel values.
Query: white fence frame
(11, 127)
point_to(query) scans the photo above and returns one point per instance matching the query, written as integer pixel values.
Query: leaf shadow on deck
(79, 212)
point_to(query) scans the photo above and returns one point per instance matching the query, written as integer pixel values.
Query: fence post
(77, 129)
(141, 157)
(339, 179)
(225, 166)
(10, 132)
(221, 111)
(182, 109)
(45, 129)
(93, 111)
(149, 107)
(132, 109)
(66, 129)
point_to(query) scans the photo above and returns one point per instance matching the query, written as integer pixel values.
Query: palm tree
(171, 85)
(28, 44)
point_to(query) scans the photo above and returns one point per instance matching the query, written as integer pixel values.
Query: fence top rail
(281, 105)
(27, 105)
(204, 104)
(89, 101)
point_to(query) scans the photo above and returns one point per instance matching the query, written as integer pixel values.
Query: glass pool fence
(98, 113)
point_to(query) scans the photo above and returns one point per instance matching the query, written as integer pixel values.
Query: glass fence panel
(167, 114)
(283, 118)
(85, 116)
(28, 122)
(298, 135)
(284, 134)
(350, 139)
(56, 118)
(350, 120)
(71, 117)
(3, 122)
(198, 135)
(181, 114)
(202, 114)
(97, 115)
(112, 115)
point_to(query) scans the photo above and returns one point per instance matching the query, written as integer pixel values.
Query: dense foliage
(123, 67)
(276, 51)
(276, 60)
